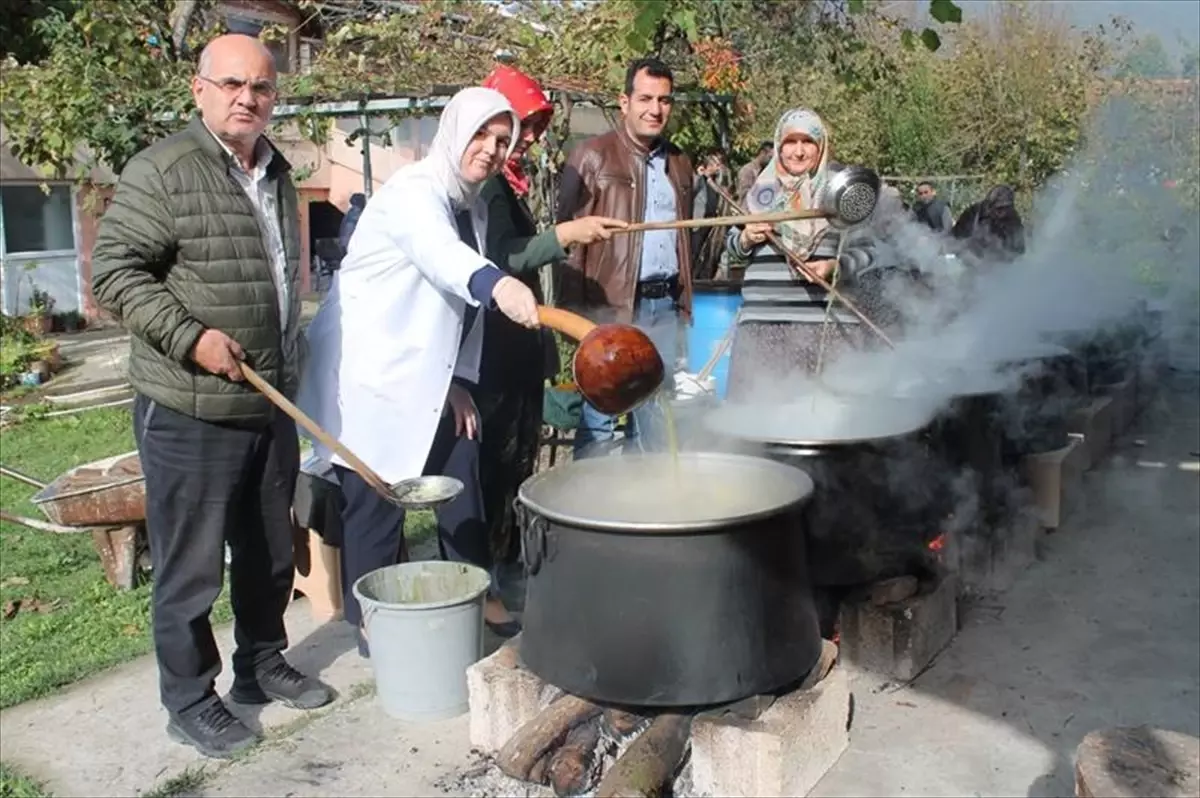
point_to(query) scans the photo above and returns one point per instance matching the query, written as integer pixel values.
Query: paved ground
(1104, 630)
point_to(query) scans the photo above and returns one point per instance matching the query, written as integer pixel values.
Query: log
(537, 773)
(1137, 762)
(542, 734)
(620, 723)
(650, 761)
(571, 769)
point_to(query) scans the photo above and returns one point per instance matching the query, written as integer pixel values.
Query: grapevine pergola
(424, 104)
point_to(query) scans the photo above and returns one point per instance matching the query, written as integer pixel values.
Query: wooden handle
(724, 221)
(17, 475)
(717, 354)
(46, 526)
(327, 440)
(570, 324)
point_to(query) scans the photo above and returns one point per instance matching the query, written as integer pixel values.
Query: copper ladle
(616, 366)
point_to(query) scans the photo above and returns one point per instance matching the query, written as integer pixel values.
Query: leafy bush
(18, 349)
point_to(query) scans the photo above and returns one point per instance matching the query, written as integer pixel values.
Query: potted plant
(47, 352)
(41, 304)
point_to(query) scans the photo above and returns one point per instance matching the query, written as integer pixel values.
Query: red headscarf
(527, 98)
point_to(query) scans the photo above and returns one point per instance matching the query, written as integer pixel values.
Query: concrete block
(318, 574)
(503, 696)
(1124, 404)
(1093, 424)
(785, 752)
(900, 640)
(1056, 479)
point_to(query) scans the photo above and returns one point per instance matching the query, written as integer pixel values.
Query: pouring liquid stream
(664, 401)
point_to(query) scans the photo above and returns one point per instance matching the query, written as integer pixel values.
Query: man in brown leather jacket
(631, 173)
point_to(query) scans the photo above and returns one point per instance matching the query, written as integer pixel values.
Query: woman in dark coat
(992, 228)
(517, 361)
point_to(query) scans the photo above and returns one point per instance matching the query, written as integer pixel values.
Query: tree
(110, 84)
(115, 74)
(1189, 64)
(1017, 88)
(1147, 58)
(21, 27)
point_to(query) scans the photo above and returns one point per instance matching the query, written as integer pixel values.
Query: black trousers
(208, 485)
(373, 528)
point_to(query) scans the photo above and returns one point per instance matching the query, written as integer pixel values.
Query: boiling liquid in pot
(821, 418)
(640, 490)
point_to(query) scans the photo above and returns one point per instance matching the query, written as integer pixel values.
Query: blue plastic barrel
(714, 307)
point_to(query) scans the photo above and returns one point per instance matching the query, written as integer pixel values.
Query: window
(35, 221)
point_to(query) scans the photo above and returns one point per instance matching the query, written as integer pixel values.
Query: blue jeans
(659, 319)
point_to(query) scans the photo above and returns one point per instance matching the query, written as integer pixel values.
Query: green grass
(15, 785)
(71, 624)
(189, 781)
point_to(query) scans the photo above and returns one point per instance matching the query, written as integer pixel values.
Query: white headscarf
(461, 119)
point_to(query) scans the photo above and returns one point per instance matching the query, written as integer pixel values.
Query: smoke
(1110, 251)
(1105, 243)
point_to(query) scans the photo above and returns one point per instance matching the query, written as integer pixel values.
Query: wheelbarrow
(106, 498)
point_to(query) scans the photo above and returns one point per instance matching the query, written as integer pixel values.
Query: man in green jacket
(198, 256)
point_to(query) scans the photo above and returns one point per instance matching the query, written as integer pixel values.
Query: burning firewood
(620, 723)
(650, 761)
(547, 731)
(571, 769)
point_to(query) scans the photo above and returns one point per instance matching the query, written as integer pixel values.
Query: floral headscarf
(776, 190)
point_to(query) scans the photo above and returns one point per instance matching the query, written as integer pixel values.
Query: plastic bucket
(714, 308)
(424, 625)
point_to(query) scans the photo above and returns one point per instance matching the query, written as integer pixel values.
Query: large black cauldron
(879, 497)
(649, 587)
(1052, 383)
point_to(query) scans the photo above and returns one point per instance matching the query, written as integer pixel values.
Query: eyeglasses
(263, 89)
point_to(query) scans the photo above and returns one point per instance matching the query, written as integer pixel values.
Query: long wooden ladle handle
(327, 440)
(570, 324)
(725, 221)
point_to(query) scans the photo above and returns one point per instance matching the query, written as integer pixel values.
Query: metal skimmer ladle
(411, 494)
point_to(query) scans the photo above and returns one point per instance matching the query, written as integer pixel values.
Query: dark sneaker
(283, 683)
(212, 730)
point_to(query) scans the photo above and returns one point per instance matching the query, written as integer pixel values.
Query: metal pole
(364, 120)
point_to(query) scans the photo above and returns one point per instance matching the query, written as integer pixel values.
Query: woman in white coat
(399, 335)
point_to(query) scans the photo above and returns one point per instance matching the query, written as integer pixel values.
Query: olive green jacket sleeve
(506, 246)
(135, 245)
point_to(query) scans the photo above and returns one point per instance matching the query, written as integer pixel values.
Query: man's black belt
(658, 289)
